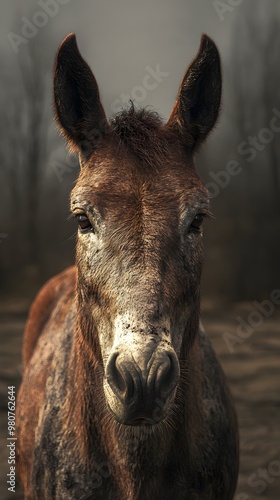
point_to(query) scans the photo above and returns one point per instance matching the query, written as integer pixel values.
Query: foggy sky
(121, 38)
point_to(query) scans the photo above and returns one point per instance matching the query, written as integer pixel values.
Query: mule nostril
(119, 378)
(113, 376)
(136, 391)
(167, 375)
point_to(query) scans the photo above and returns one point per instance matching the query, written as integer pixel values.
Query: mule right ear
(197, 107)
(78, 108)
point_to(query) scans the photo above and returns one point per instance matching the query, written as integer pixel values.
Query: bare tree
(34, 139)
(254, 76)
(24, 143)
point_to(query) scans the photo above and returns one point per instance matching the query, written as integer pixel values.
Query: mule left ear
(197, 107)
(78, 108)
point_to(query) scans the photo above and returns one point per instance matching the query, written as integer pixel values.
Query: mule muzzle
(140, 388)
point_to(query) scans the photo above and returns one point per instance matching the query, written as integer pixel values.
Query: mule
(122, 396)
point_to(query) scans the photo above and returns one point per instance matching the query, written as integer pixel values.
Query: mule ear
(78, 108)
(198, 103)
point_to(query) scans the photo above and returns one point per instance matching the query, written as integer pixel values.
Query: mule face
(139, 265)
(140, 207)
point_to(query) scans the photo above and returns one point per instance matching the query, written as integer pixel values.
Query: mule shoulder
(42, 307)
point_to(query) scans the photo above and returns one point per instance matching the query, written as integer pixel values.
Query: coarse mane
(143, 133)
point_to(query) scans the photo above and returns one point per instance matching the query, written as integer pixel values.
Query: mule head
(140, 206)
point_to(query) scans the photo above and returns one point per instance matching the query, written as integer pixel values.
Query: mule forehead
(116, 178)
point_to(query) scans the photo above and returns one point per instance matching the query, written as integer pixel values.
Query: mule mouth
(141, 421)
(138, 415)
(132, 421)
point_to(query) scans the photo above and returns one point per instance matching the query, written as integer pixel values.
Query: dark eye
(197, 223)
(84, 223)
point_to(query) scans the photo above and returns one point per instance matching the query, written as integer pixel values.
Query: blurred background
(123, 41)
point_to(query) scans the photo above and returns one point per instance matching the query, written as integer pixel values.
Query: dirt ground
(253, 371)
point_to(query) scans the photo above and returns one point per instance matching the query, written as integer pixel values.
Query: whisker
(72, 237)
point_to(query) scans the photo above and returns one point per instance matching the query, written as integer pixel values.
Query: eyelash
(196, 224)
(84, 223)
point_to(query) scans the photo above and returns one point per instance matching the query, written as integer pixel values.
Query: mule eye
(197, 223)
(84, 223)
